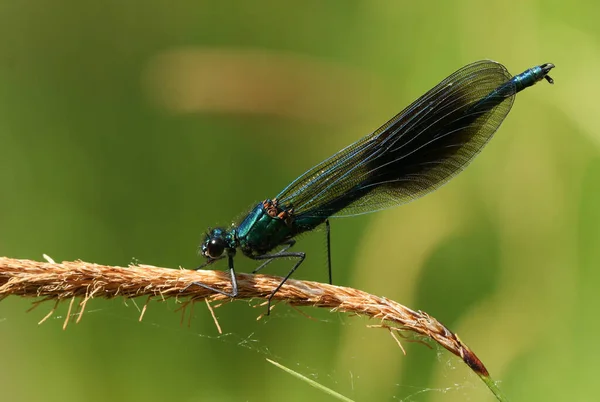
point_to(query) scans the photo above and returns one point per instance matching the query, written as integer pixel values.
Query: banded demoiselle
(413, 154)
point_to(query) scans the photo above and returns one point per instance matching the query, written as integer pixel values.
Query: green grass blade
(311, 382)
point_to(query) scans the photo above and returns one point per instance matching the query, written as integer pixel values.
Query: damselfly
(414, 153)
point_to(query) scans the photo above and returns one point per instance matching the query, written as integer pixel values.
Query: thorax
(264, 228)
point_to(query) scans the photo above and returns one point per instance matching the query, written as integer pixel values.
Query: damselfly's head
(216, 242)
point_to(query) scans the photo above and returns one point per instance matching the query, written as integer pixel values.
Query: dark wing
(414, 153)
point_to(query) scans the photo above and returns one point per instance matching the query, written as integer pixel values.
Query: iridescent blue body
(262, 230)
(414, 153)
(265, 227)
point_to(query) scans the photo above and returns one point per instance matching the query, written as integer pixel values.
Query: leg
(328, 249)
(234, 285)
(300, 257)
(288, 243)
(209, 262)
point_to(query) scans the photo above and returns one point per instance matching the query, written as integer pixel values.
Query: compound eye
(215, 248)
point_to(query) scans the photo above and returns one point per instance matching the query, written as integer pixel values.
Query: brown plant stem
(71, 279)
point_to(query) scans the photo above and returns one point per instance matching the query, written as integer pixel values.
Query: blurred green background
(129, 127)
